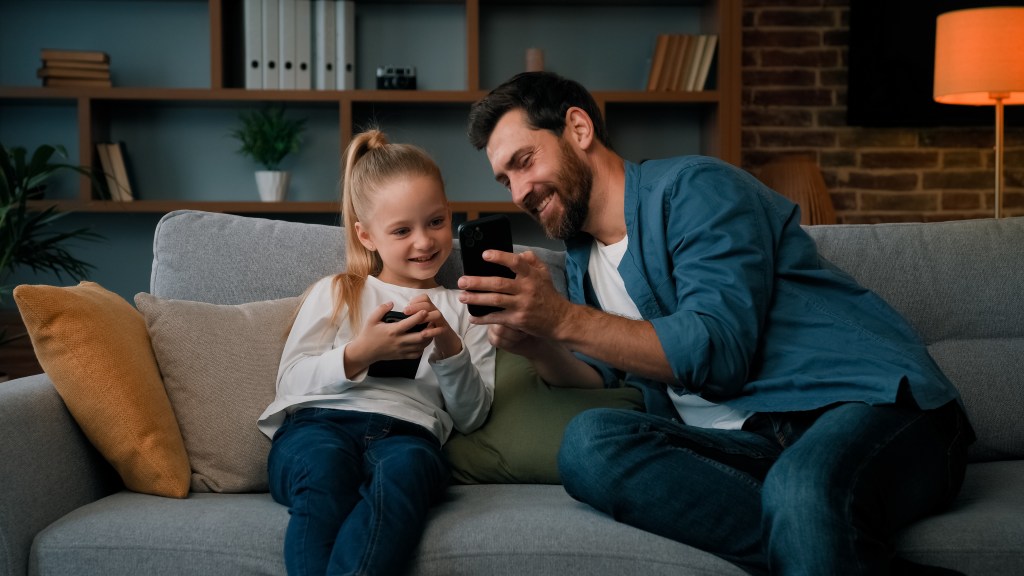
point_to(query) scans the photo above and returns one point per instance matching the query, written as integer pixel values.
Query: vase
(272, 184)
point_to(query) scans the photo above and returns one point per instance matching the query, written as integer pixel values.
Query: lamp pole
(998, 97)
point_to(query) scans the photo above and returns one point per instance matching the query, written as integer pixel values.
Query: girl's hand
(379, 340)
(446, 341)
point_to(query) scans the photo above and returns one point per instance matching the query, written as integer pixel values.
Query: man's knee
(587, 446)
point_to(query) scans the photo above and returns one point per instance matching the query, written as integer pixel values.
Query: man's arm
(534, 308)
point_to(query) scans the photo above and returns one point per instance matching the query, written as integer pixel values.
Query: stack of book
(681, 62)
(75, 68)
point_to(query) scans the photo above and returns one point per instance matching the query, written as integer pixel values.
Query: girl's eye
(437, 222)
(401, 232)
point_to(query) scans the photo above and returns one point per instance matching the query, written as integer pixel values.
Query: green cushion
(519, 442)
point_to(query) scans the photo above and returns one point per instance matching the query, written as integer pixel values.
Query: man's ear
(580, 127)
(364, 237)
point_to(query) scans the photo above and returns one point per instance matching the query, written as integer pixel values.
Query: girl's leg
(315, 469)
(405, 474)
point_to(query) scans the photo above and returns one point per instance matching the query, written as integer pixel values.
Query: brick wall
(794, 95)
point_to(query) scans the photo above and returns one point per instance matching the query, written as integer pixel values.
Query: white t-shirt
(612, 296)
(452, 392)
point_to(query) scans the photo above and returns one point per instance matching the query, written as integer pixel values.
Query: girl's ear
(579, 127)
(364, 237)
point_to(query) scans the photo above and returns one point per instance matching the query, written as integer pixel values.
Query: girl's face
(410, 227)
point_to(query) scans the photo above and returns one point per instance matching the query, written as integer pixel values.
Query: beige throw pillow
(95, 348)
(219, 365)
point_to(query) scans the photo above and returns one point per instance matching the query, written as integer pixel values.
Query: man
(794, 420)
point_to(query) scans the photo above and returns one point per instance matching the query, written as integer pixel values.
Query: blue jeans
(358, 487)
(793, 493)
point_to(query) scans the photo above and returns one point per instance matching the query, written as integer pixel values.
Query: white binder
(271, 44)
(253, 44)
(346, 44)
(325, 51)
(286, 60)
(303, 45)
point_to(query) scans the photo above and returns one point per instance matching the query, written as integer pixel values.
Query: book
(51, 72)
(325, 48)
(657, 61)
(108, 170)
(674, 65)
(76, 65)
(303, 45)
(345, 27)
(76, 55)
(693, 62)
(124, 186)
(705, 62)
(76, 82)
(286, 44)
(253, 15)
(271, 44)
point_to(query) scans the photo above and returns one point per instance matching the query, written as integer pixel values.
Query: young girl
(355, 457)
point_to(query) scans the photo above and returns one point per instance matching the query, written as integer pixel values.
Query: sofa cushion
(95, 348)
(520, 440)
(219, 365)
(497, 529)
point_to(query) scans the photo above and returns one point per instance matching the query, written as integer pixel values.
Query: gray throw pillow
(219, 366)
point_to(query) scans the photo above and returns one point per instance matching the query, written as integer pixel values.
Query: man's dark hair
(544, 96)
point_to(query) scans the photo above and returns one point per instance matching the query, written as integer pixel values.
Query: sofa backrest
(230, 259)
(961, 285)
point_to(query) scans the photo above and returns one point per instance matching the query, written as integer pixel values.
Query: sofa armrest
(47, 467)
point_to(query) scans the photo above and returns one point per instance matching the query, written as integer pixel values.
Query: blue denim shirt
(747, 313)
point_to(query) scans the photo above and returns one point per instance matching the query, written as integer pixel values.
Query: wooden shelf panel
(383, 96)
(163, 206)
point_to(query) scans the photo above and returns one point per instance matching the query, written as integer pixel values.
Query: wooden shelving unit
(718, 108)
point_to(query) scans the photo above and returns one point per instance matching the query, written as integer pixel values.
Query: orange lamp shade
(979, 56)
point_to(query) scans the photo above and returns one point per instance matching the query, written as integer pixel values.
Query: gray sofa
(63, 511)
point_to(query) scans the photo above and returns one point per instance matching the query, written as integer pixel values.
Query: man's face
(544, 173)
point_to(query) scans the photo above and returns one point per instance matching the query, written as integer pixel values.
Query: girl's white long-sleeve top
(451, 392)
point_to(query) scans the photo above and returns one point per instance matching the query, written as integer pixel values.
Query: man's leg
(697, 486)
(858, 474)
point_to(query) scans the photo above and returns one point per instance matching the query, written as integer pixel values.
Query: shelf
(156, 122)
(471, 209)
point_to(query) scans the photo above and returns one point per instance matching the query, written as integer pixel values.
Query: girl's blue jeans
(793, 493)
(358, 487)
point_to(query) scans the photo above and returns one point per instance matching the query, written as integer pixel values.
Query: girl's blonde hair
(371, 162)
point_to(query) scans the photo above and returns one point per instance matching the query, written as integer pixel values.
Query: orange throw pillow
(95, 348)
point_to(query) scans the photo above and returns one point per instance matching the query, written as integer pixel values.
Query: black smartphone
(404, 368)
(487, 233)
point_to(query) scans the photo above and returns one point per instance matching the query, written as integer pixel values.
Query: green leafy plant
(267, 136)
(28, 236)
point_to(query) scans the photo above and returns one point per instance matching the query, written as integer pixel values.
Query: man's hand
(531, 303)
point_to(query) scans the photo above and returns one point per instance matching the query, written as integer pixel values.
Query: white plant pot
(272, 184)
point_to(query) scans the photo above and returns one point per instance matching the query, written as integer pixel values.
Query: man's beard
(573, 184)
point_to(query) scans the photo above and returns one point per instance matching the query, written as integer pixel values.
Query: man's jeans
(792, 493)
(358, 487)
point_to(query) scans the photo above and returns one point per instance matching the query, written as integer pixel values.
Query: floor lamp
(979, 61)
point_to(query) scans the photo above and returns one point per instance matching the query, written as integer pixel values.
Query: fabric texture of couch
(64, 508)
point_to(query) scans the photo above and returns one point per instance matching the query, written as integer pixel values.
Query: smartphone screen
(487, 233)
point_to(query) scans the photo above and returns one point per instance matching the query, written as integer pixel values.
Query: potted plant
(29, 237)
(267, 137)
